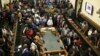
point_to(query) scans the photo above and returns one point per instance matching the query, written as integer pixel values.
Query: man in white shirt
(50, 22)
(90, 33)
(65, 31)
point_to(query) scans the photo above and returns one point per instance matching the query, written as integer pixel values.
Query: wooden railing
(90, 21)
(14, 38)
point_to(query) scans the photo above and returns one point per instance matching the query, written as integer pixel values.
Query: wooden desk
(45, 29)
(52, 44)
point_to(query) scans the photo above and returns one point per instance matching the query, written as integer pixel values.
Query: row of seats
(8, 19)
(82, 30)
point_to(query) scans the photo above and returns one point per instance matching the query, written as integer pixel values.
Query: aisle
(19, 37)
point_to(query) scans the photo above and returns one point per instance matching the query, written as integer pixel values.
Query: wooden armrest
(55, 51)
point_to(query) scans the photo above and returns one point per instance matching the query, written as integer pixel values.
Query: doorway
(78, 6)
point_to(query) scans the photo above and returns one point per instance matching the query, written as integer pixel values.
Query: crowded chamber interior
(48, 28)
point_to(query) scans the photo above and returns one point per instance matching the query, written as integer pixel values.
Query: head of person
(25, 45)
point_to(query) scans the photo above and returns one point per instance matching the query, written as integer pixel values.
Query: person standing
(1, 44)
(25, 51)
(50, 22)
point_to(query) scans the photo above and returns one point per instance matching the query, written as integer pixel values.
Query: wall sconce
(98, 12)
